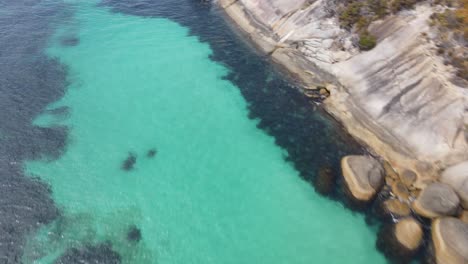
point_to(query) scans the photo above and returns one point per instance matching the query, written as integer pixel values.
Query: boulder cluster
(442, 202)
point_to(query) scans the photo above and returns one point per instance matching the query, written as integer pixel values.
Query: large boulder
(363, 175)
(450, 239)
(437, 199)
(400, 242)
(457, 177)
(409, 233)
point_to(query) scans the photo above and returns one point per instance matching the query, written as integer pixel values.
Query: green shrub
(351, 15)
(367, 41)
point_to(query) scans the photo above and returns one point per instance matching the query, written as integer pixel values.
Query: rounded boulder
(400, 242)
(450, 239)
(363, 175)
(457, 177)
(437, 199)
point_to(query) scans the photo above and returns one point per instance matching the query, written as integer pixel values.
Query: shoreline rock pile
(442, 202)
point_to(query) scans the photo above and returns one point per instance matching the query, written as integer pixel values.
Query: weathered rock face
(464, 216)
(437, 199)
(398, 98)
(363, 176)
(457, 177)
(450, 238)
(403, 93)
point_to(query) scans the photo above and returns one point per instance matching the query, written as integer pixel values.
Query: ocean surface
(149, 132)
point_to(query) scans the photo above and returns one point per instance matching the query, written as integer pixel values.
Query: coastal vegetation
(451, 24)
(366, 41)
(452, 35)
(357, 15)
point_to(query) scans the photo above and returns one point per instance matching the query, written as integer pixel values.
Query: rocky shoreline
(399, 99)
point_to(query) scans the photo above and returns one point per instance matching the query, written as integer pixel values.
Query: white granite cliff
(399, 98)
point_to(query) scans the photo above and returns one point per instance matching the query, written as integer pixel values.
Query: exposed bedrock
(363, 176)
(399, 98)
(450, 239)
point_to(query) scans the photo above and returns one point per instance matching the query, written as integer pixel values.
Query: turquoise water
(218, 189)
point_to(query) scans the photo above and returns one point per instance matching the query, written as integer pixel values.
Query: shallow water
(230, 140)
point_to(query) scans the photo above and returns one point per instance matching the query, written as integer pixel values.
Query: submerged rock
(134, 234)
(151, 153)
(70, 41)
(450, 239)
(325, 181)
(400, 242)
(129, 162)
(437, 199)
(363, 175)
(98, 254)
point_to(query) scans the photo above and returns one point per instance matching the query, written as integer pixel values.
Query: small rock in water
(129, 162)
(151, 153)
(134, 234)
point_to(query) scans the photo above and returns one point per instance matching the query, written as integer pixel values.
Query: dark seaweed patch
(134, 234)
(151, 153)
(59, 111)
(29, 81)
(129, 162)
(99, 254)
